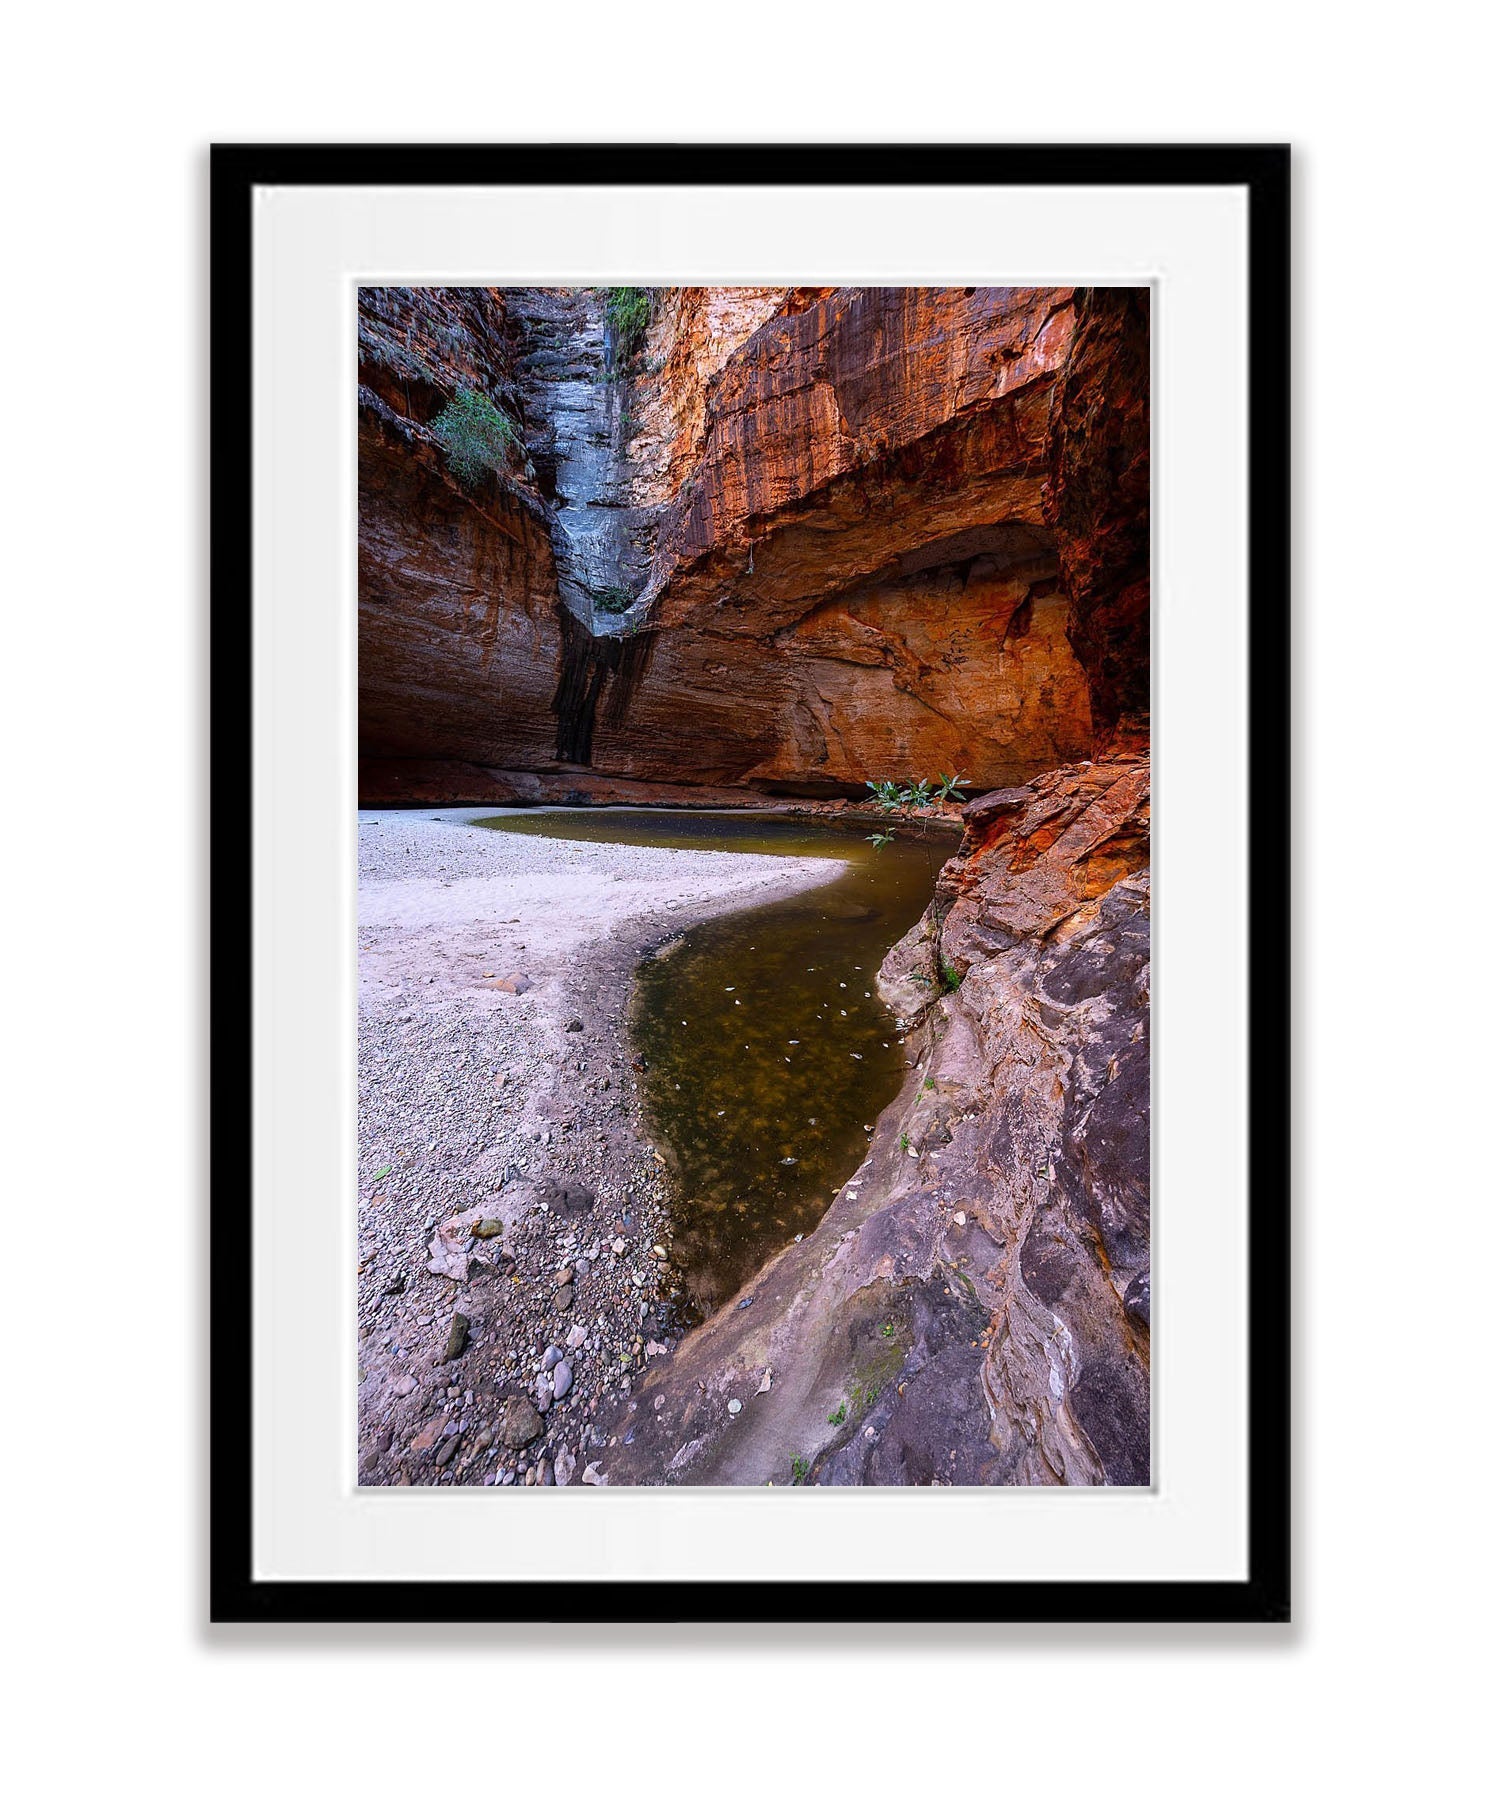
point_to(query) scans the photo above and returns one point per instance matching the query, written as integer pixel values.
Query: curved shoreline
(496, 1084)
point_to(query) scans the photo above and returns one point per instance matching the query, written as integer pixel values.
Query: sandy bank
(496, 1081)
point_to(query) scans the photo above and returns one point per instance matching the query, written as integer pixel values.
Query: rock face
(459, 633)
(795, 540)
(854, 573)
(782, 542)
(1098, 498)
(578, 428)
(975, 1306)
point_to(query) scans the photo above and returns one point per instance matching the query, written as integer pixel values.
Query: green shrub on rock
(628, 312)
(475, 436)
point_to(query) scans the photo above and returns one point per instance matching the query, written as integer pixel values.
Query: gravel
(477, 1103)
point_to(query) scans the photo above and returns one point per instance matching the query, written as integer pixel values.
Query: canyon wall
(780, 542)
(975, 1307)
(793, 540)
(1098, 499)
(459, 633)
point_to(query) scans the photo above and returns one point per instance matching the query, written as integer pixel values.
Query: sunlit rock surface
(816, 515)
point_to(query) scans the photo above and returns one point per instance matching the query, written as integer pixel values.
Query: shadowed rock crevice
(1098, 497)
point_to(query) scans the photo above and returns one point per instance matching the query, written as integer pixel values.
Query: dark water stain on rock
(594, 670)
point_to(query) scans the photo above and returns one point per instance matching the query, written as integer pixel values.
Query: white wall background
(1380, 1688)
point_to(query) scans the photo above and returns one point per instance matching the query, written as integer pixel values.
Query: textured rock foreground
(975, 1307)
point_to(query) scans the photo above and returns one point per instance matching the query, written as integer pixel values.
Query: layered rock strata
(822, 510)
(460, 637)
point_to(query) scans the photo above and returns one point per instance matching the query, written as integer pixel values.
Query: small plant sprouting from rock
(613, 599)
(837, 1417)
(951, 976)
(627, 310)
(801, 1469)
(900, 798)
(475, 436)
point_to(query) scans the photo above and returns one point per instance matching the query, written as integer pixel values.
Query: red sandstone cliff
(459, 637)
(1098, 498)
(797, 539)
(861, 533)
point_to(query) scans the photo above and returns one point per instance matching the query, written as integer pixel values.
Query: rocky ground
(515, 1255)
(974, 1308)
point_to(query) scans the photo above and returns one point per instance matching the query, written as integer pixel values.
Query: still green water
(767, 1049)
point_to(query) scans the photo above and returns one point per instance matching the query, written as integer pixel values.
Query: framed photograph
(750, 863)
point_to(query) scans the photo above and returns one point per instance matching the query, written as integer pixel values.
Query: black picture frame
(1263, 172)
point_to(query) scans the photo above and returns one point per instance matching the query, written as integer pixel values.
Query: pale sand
(468, 1092)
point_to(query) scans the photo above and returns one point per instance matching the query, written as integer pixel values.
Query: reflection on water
(767, 1050)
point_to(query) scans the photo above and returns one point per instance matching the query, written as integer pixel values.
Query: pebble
(478, 1141)
(734, 1406)
(518, 1423)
